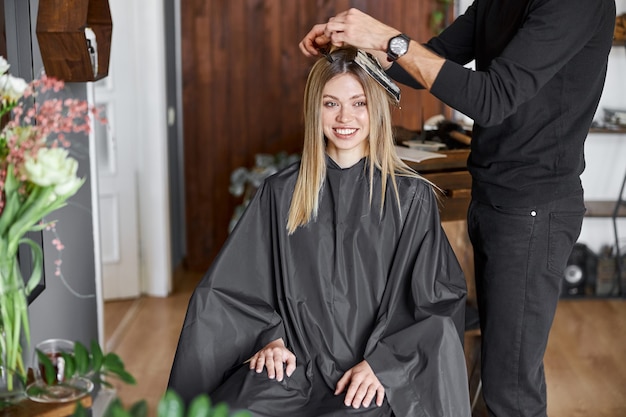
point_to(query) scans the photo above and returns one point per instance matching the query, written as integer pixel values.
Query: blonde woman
(337, 293)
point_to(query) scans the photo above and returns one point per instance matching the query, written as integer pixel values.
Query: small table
(97, 403)
(29, 408)
(451, 176)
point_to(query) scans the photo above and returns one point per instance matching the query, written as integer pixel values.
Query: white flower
(53, 167)
(12, 88)
(4, 65)
(69, 187)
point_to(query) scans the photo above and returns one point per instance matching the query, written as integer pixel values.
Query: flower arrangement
(37, 177)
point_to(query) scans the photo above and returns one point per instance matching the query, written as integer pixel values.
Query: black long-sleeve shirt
(540, 70)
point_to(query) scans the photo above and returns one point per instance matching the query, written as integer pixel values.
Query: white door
(116, 153)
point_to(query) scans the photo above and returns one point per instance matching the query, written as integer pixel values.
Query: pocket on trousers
(564, 231)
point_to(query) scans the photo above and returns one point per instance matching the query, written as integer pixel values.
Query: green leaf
(170, 405)
(11, 200)
(115, 409)
(70, 365)
(80, 411)
(113, 362)
(139, 409)
(37, 264)
(48, 367)
(103, 382)
(200, 406)
(122, 375)
(96, 356)
(112, 365)
(82, 358)
(220, 410)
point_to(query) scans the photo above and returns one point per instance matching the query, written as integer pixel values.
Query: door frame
(153, 181)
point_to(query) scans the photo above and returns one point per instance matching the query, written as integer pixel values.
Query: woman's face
(345, 119)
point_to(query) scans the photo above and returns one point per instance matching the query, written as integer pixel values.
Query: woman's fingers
(290, 360)
(278, 361)
(363, 386)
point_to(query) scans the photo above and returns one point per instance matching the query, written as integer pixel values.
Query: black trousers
(520, 254)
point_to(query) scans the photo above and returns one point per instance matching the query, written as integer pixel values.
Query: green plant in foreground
(95, 364)
(170, 405)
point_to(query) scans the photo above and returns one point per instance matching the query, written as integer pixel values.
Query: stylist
(540, 70)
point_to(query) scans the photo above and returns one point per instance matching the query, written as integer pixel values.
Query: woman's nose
(344, 114)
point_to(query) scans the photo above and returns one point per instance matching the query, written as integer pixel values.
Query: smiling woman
(343, 250)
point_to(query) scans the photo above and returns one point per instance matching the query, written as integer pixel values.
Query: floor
(585, 361)
(144, 332)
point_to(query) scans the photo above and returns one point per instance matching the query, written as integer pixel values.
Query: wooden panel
(61, 35)
(451, 182)
(604, 209)
(243, 83)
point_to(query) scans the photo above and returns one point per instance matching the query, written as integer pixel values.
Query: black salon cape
(351, 285)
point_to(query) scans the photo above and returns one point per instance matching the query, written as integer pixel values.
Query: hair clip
(371, 65)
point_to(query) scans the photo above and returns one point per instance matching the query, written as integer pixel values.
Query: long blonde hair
(382, 153)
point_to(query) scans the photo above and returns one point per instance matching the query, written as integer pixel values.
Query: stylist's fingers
(313, 40)
(358, 29)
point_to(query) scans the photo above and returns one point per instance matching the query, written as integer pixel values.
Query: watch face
(398, 46)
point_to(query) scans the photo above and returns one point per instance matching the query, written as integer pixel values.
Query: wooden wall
(243, 82)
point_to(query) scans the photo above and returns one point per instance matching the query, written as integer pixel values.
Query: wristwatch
(397, 46)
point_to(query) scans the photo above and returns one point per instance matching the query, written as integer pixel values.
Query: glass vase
(12, 387)
(13, 321)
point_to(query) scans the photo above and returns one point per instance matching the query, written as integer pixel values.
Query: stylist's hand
(363, 386)
(274, 356)
(351, 27)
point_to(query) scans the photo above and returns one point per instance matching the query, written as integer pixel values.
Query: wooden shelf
(604, 208)
(621, 130)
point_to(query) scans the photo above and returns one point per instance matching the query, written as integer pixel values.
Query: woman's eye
(330, 104)
(360, 103)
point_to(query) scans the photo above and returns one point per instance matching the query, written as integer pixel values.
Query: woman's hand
(274, 356)
(363, 386)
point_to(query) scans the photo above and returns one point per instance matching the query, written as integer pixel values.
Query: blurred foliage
(170, 405)
(439, 17)
(245, 181)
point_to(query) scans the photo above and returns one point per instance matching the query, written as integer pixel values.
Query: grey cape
(351, 285)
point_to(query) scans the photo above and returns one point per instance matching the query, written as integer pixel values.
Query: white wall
(605, 155)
